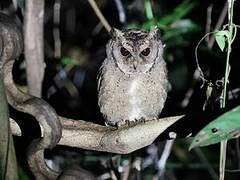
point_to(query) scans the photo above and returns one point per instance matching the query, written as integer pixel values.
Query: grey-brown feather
(131, 96)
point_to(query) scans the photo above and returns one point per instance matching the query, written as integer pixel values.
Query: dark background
(70, 80)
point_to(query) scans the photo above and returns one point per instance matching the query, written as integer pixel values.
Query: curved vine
(11, 48)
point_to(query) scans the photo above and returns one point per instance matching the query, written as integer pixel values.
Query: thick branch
(33, 45)
(86, 135)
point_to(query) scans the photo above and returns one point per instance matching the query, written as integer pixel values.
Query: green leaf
(180, 28)
(221, 38)
(66, 61)
(148, 9)
(226, 126)
(178, 13)
(149, 24)
(133, 26)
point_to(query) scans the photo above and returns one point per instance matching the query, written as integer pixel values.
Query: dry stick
(33, 45)
(121, 11)
(15, 4)
(113, 175)
(56, 29)
(126, 173)
(99, 15)
(165, 154)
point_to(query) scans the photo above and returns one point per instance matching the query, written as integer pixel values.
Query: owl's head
(135, 51)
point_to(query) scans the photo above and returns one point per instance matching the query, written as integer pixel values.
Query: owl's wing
(99, 78)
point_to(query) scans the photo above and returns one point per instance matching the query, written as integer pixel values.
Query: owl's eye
(146, 52)
(124, 51)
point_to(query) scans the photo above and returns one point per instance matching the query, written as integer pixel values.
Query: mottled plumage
(132, 82)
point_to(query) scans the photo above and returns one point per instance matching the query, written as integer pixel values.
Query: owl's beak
(135, 64)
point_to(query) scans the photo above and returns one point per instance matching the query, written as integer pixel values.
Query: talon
(122, 123)
(110, 124)
(119, 124)
(142, 119)
(131, 123)
(127, 122)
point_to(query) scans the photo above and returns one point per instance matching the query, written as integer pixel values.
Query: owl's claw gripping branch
(123, 140)
(11, 47)
(128, 123)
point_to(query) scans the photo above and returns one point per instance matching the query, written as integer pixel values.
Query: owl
(132, 82)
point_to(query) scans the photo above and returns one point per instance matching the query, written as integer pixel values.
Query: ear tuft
(154, 33)
(114, 33)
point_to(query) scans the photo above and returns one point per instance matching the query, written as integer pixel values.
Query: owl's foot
(151, 119)
(122, 123)
(141, 120)
(128, 123)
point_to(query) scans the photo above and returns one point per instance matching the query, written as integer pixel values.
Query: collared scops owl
(132, 82)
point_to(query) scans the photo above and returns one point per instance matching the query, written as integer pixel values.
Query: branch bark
(8, 164)
(123, 140)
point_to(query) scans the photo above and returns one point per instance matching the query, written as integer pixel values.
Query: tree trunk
(8, 162)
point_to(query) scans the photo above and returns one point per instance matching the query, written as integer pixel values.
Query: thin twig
(99, 15)
(56, 29)
(198, 73)
(121, 11)
(148, 9)
(223, 152)
(205, 161)
(210, 45)
(15, 4)
(208, 21)
(231, 29)
(229, 49)
(196, 56)
(165, 154)
(113, 175)
(238, 152)
(232, 170)
(126, 173)
(219, 23)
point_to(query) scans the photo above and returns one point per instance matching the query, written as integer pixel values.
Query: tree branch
(124, 140)
(33, 45)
